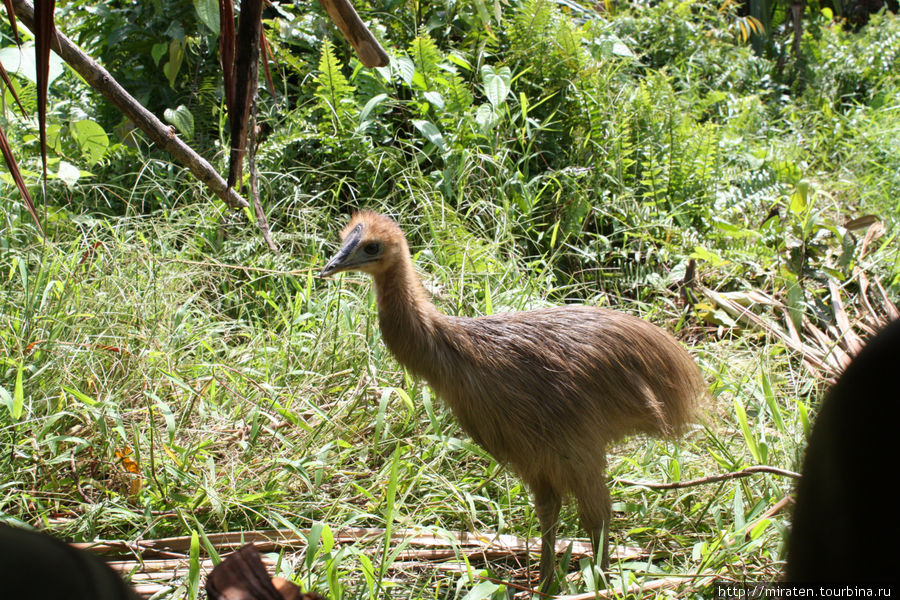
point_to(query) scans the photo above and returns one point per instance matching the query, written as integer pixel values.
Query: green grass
(253, 398)
(162, 374)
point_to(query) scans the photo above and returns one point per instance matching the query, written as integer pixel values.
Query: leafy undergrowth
(161, 373)
(151, 392)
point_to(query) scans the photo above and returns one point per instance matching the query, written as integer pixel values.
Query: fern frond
(456, 91)
(530, 28)
(333, 90)
(568, 42)
(427, 57)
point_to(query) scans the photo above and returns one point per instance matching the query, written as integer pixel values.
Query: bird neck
(408, 320)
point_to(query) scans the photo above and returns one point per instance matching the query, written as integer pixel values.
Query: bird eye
(372, 248)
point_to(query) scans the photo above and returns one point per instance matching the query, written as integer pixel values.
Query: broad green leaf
(759, 528)
(373, 102)
(787, 171)
(91, 138)
(54, 137)
(207, 544)
(405, 68)
(674, 470)
(554, 234)
(460, 61)
(81, 396)
(194, 566)
(752, 444)
(368, 571)
(68, 173)
(401, 393)
(182, 119)
(18, 395)
(435, 99)
(431, 132)
(737, 507)
(848, 249)
(620, 49)
(169, 417)
(327, 539)
(496, 84)
(485, 117)
(701, 253)
(481, 591)
(698, 551)
(611, 45)
(158, 51)
(800, 198)
(483, 14)
(176, 57)
(716, 316)
(795, 303)
(20, 61)
(312, 543)
(208, 14)
(803, 411)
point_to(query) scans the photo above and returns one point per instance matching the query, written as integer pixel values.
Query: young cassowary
(544, 391)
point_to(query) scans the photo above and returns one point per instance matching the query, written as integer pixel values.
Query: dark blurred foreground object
(242, 576)
(845, 521)
(36, 566)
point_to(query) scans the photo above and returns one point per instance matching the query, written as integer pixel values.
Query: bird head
(371, 243)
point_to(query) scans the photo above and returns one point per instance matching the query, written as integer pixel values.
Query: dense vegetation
(163, 373)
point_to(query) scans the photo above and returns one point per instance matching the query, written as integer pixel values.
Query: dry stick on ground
(712, 478)
(433, 547)
(771, 512)
(98, 78)
(634, 589)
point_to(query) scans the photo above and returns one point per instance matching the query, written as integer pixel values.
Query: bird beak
(335, 265)
(342, 260)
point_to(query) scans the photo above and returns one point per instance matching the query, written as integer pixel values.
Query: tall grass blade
(193, 579)
(390, 497)
(749, 438)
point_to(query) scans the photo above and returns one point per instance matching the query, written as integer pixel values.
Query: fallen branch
(164, 137)
(634, 589)
(712, 478)
(825, 345)
(153, 566)
(424, 543)
(771, 512)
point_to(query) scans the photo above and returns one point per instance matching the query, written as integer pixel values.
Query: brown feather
(545, 391)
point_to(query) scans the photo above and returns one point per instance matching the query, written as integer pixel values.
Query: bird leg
(547, 504)
(595, 508)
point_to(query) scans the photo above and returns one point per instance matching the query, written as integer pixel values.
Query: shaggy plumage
(544, 391)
